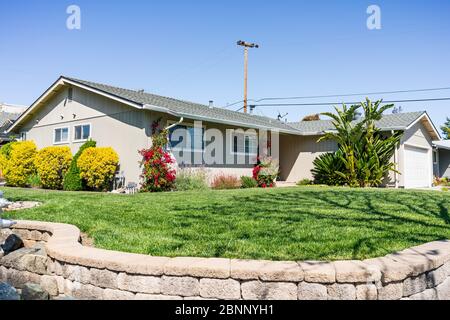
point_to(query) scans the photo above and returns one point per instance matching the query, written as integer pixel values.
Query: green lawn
(280, 224)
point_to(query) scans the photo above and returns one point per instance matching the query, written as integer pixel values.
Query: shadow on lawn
(394, 219)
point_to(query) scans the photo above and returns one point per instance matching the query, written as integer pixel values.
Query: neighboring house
(441, 158)
(8, 114)
(72, 111)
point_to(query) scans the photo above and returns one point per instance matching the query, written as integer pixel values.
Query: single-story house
(441, 158)
(8, 114)
(71, 111)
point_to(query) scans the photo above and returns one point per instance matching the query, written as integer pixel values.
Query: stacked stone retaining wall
(66, 268)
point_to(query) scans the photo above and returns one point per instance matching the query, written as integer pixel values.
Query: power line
(350, 103)
(341, 95)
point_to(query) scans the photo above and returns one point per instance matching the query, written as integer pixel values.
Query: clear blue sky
(187, 49)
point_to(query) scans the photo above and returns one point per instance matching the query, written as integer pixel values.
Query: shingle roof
(191, 109)
(398, 121)
(6, 119)
(188, 109)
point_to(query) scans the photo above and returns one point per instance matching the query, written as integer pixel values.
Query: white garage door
(417, 168)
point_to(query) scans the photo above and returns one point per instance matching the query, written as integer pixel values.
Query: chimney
(252, 108)
(211, 104)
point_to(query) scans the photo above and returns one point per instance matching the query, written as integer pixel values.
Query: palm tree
(364, 156)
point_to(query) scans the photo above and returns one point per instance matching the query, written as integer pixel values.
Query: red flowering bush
(158, 173)
(266, 172)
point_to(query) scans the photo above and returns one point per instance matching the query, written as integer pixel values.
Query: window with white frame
(245, 144)
(61, 135)
(178, 138)
(82, 132)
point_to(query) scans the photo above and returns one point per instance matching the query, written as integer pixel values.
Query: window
(435, 157)
(82, 132)
(180, 140)
(23, 136)
(70, 95)
(61, 135)
(247, 146)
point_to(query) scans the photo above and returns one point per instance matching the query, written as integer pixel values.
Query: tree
(446, 129)
(364, 155)
(312, 117)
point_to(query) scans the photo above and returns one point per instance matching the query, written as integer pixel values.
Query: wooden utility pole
(246, 45)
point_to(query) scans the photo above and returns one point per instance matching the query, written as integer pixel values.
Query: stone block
(103, 278)
(143, 296)
(246, 269)
(443, 290)
(429, 294)
(77, 273)
(318, 272)
(420, 262)
(86, 292)
(356, 272)
(35, 235)
(341, 292)
(257, 290)
(40, 265)
(279, 271)
(198, 267)
(23, 234)
(436, 277)
(220, 289)
(366, 292)
(312, 291)
(33, 291)
(3, 274)
(50, 285)
(391, 291)
(414, 285)
(19, 278)
(55, 267)
(391, 271)
(140, 284)
(111, 294)
(199, 299)
(60, 281)
(180, 286)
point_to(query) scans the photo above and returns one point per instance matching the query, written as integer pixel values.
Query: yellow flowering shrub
(52, 164)
(97, 167)
(20, 165)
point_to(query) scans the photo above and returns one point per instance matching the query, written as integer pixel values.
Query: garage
(417, 167)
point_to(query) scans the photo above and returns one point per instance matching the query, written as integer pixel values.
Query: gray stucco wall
(297, 154)
(444, 163)
(113, 124)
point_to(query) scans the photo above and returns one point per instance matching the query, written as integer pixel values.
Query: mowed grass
(279, 224)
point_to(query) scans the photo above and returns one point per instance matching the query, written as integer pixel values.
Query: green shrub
(305, 182)
(365, 153)
(97, 167)
(20, 164)
(248, 182)
(6, 149)
(72, 179)
(52, 164)
(224, 181)
(326, 167)
(34, 181)
(191, 179)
